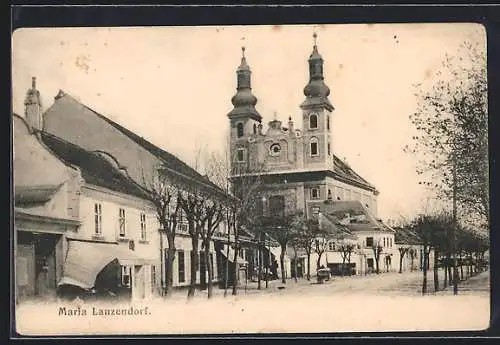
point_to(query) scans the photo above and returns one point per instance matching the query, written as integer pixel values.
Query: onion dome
(316, 91)
(244, 101)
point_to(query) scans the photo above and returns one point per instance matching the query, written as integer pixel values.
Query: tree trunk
(209, 268)
(318, 262)
(282, 263)
(349, 263)
(295, 271)
(169, 267)
(445, 281)
(411, 263)
(309, 266)
(377, 268)
(424, 269)
(401, 262)
(343, 265)
(226, 271)
(236, 265)
(435, 269)
(461, 267)
(259, 271)
(194, 268)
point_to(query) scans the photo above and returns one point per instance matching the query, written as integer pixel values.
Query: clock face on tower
(274, 149)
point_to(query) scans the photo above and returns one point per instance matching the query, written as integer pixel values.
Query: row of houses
(83, 219)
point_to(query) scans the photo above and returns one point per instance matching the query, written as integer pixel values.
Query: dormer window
(239, 128)
(313, 121)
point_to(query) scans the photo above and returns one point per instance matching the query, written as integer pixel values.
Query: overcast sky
(174, 85)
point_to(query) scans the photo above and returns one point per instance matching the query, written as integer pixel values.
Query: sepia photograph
(257, 179)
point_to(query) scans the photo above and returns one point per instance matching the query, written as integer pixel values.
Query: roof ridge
(143, 141)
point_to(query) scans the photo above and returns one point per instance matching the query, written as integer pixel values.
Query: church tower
(317, 116)
(33, 107)
(245, 120)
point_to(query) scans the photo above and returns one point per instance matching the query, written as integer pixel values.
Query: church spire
(33, 107)
(316, 91)
(244, 101)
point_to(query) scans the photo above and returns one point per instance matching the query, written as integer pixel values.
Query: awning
(231, 255)
(85, 260)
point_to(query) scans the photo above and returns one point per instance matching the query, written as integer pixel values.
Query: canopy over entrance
(85, 260)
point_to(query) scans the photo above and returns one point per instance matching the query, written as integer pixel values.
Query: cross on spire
(275, 116)
(315, 37)
(243, 51)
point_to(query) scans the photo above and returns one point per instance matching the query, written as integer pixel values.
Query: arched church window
(314, 147)
(239, 128)
(329, 194)
(313, 121)
(329, 149)
(254, 128)
(328, 122)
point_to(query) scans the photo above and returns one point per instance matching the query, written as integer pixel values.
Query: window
(143, 226)
(239, 128)
(254, 128)
(331, 246)
(329, 194)
(329, 150)
(240, 253)
(390, 242)
(277, 205)
(315, 193)
(313, 121)
(153, 278)
(240, 155)
(182, 273)
(314, 147)
(121, 222)
(384, 241)
(369, 241)
(328, 122)
(369, 262)
(98, 218)
(126, 276)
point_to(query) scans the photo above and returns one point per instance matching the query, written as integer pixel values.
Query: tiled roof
(360, 218)
(343, 170)
(337, 230)
(170, 160)
(34, 195)
(406, 236)
(96, 169)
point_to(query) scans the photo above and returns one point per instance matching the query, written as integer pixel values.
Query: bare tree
(403, 251)
(377, 251)
(346, 250)
(165, 196)
(305, 239)
(451, 121)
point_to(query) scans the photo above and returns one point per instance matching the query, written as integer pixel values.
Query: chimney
(33, 107)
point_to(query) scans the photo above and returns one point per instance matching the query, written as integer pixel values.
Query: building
(45, 210)
(410, 248)
(76, 123)
(296, 162)
(81, 223)
(115, 249)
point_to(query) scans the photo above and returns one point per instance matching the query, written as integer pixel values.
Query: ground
(373, 303)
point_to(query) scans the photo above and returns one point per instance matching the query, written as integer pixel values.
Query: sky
(173, 85)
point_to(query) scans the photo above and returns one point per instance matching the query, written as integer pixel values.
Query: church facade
(296, 160)
(297, 167)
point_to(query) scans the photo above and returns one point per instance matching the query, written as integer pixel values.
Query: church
(296, 160)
